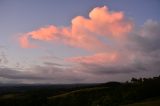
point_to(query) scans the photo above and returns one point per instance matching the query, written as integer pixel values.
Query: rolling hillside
(137, 92)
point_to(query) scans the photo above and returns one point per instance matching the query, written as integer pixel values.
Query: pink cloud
(83, 31)
(103, 22)
(98, 58)
(25, 43)
(45, 34)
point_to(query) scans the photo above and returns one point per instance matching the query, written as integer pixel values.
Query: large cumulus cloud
(83, 32)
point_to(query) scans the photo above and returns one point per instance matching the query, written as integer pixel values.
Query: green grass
(146, 103)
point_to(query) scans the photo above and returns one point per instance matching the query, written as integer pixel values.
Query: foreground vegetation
(146, 103)
(137, 92)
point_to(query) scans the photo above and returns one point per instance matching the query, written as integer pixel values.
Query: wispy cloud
(24, 41)
(99, 58)
(3, 58)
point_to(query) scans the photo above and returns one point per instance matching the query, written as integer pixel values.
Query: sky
(78, 41)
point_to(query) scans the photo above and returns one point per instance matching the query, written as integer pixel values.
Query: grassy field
(146, 103)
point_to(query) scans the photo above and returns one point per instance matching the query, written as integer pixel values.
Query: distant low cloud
(40, 74)
(83, 32)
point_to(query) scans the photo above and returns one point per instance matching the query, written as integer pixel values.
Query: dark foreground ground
(137, 92)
